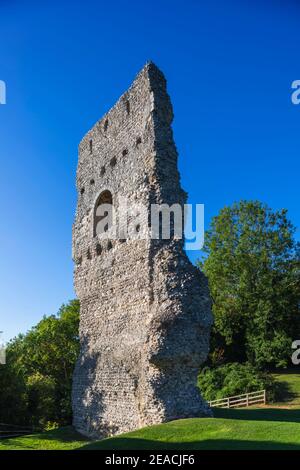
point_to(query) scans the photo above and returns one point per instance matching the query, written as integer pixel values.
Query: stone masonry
(145, 309)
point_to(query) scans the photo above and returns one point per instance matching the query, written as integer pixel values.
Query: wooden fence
(12, 430)
(247, 399)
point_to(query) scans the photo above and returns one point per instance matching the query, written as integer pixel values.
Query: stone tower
(145, 309)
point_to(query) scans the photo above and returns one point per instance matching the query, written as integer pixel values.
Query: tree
(13, 397)
(39, 370)
(252, 264)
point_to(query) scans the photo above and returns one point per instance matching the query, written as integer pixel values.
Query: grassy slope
(64, 438)
(261, 428)
(290, 383)
(231, 429)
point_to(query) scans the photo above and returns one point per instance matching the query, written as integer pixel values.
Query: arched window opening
(103, 215)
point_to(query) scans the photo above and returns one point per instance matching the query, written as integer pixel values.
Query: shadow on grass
(287, 386)
(291, 371)
(62, 435)
(209, 444)
(259, 414)
(283, 392)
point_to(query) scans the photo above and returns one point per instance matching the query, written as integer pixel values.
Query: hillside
(276, 427)
(269, 428)
(290, 389)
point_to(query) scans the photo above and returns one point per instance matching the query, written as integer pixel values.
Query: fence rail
(247, 399)
(13, 430)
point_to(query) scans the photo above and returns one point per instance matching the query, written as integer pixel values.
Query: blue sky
(229, 67)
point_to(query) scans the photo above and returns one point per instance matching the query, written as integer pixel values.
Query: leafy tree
(252, 264)
(41, 392)
(13, 397)
(36, 381)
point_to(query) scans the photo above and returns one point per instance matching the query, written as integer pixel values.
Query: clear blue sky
(229, 66)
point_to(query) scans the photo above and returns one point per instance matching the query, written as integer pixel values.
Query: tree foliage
(35, 383)
(234, 379)
(252, 264)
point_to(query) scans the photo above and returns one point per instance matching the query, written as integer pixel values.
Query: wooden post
(228, 402)
(247, 399)
(265, 401)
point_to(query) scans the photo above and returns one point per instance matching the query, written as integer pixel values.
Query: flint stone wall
(145, 309)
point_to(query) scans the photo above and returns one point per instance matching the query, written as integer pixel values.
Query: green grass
(230, 429)
(63, 438)
(290, 388)
(248, 428)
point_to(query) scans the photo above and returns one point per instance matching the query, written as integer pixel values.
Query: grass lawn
(230, 429)
(290, 384)
(273, 427)
(63, 438)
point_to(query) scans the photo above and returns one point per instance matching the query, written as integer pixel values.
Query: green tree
(41, 393)
(13, 397)
(39, 370)
(252, 263)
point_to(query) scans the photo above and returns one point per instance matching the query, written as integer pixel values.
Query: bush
(234, 379)
(51, 425)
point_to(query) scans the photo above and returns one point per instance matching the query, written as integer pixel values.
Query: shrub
(234, 379)
(51, 425)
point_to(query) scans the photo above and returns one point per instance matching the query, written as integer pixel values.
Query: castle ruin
(145, 311)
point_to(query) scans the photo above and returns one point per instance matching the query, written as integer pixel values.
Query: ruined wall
(145, 310)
